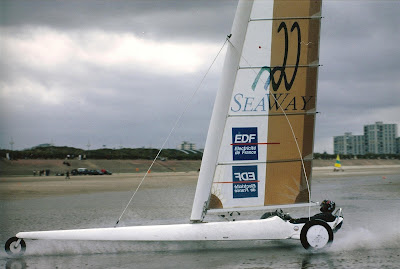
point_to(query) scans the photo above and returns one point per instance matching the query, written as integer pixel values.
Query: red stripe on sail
(231, 182)
(244, 144)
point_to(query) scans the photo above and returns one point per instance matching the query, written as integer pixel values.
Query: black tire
(15, 251)
(316, 234)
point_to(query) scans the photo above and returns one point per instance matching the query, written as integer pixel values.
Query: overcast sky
(119, 73)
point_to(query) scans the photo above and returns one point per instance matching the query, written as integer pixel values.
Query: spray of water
(377, 237)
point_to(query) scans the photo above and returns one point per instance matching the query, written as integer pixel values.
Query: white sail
(260, 141)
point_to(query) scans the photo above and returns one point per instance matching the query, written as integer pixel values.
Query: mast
(220, 111)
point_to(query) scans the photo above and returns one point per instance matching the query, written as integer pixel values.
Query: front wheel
(15, 246)
(316, 234)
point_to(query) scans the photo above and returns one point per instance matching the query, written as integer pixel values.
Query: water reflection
(16, 264)
(317, 260)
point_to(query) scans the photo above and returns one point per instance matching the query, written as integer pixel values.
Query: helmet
(327, 206)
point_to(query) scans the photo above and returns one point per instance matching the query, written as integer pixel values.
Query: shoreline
(26, 167)
(350, 171)
(26, 187)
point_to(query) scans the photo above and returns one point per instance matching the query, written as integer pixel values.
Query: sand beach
(369, 195)
(22, 187)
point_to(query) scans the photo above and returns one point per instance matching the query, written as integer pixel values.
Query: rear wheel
(316, 234)
(15, 246)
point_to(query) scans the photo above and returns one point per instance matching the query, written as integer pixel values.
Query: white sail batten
(261, 208)
(260, 162)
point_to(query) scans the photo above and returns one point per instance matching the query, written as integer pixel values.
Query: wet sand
(369, 237)
(33, 187)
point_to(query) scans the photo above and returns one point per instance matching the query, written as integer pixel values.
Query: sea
(369, 238)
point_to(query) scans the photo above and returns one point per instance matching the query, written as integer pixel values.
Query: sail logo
(288, 101)
(245, 181)
(245, 143)
(271, 102)
(282, 69)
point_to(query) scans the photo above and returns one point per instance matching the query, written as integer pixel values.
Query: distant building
(380, 138)
(187, 146)
(348, 144)
(398, 145)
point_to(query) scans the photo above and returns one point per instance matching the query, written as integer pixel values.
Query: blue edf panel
(245, 183)
(244, 143)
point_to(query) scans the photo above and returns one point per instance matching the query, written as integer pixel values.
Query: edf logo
(245, 143)
(245, 176)
(245, 138)
(245, 181)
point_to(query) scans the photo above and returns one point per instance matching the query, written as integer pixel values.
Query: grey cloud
(200, 19)
(113, 106)
(359, 77)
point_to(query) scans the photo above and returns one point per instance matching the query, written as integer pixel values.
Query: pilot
(327, 208)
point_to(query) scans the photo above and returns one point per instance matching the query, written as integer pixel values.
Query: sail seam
(275, 114)
(290, 66)
(275, 161)
(233, 182)
(286, 18)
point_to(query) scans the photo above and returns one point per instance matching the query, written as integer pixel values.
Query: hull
(271, 228)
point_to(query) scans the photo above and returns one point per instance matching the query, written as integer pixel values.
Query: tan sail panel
(295, 42)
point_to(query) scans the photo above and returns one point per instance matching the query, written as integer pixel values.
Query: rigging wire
(290, 125)
(172, 130)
